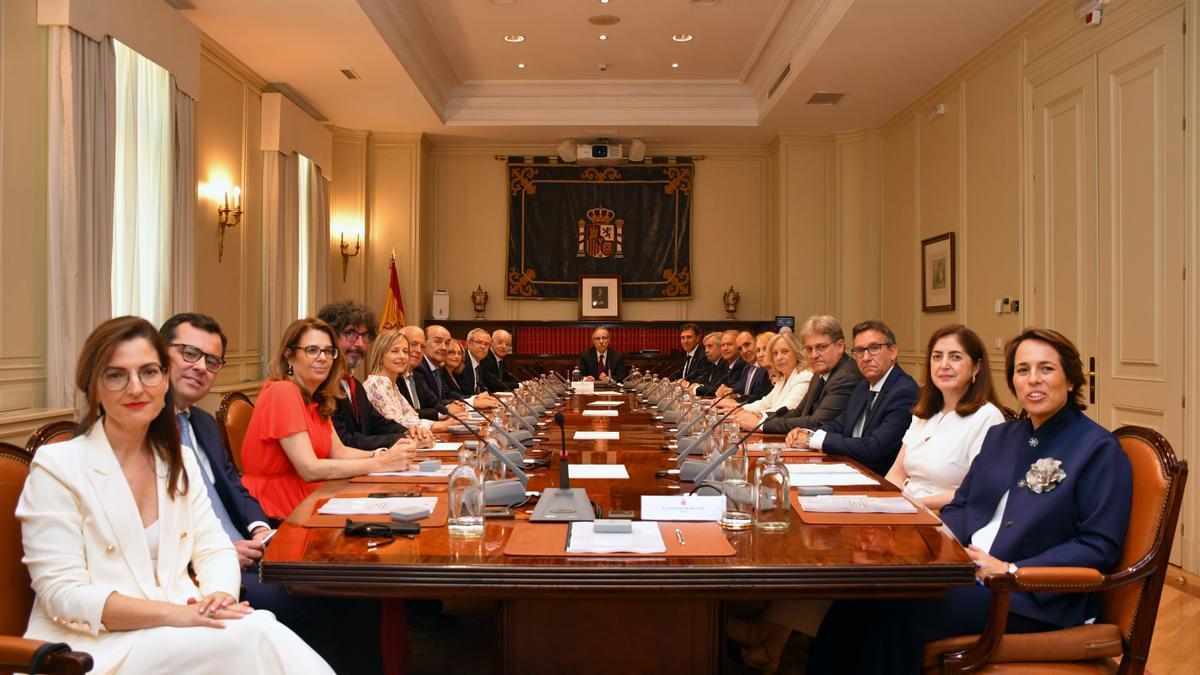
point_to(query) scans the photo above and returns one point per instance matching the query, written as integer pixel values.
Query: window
(303, 171)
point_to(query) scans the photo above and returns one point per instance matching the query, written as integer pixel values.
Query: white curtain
(281, 227)
(319, 249)
(81, 91)
(183, 207)
(143, 200)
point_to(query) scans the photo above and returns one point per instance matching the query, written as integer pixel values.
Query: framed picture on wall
(937, 273)
(599, 297)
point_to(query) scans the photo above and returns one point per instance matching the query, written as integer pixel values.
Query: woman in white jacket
(110, 521)
(784, 356)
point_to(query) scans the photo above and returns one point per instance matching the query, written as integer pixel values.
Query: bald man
(728, 371)
(598, 362)
(492, 373)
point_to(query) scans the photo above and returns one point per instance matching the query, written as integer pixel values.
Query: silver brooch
(1033, 442)
(1043, 475)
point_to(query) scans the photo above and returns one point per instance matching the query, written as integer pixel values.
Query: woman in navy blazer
(1049, 490)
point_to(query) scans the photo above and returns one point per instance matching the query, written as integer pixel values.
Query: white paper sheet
(583, 387)
(600, 413)
(610, 471)
(812, 474)
(856, 504)
(645, 538)
(445, 447)
(368, 506)
(444, 471)
(822, 467)
(597, 435)
(609, 393)
(607, 403)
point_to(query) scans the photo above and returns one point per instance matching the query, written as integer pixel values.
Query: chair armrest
(16, 654)
(1057, 579)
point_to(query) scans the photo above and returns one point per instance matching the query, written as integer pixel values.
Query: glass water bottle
(772, 493)
(465, 493)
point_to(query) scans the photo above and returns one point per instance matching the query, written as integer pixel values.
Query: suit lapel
(171, 529)
(881, 398)
(119, 508)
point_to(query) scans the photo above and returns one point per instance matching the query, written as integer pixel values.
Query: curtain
(143, 201)
(81, 98)
(281, 226)
(183, 205)
(319, 249)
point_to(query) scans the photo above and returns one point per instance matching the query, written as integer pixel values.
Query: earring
(289, 370)
(973, 378)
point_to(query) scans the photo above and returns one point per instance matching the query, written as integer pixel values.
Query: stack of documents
(374, 506)
(807, 475)
(856, 504)
(645, 538)
(444, 471)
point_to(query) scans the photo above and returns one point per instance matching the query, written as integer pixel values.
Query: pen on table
(679, 536)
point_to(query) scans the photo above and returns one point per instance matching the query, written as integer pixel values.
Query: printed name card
(682, 507)
(597, 435)
(583, 387)
(599, 413)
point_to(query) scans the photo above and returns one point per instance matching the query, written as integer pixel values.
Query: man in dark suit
(437, 342)
(708, 374)
(598, 362)
(411, 385)
(492, 371)
(754, 382)
(357, 422)
(728, 370)
(835, 375)
(872, 426)
(694, 364)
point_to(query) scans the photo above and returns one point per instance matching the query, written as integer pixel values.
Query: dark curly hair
(349, 314)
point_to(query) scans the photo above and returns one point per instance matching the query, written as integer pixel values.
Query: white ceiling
(442, 67)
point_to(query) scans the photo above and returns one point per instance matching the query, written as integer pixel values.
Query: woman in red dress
(290, 445)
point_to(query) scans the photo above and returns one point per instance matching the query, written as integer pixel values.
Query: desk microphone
(564, 473)
(700, 470)
(685, 449)
(495, 424)
(497, 492)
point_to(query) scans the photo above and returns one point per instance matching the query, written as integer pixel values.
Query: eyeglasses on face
(116, 379)
(314, 352)
(193, 354)
(352, 335)
(817, 349)
(873, 349)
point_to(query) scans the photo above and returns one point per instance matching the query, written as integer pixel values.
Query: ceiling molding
(795, 41)
(407, 33)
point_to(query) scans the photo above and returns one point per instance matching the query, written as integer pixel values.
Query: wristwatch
(1012, 568)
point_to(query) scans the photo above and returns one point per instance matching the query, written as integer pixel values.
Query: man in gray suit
(835, 375)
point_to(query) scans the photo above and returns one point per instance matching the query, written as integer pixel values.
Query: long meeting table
(619, 613)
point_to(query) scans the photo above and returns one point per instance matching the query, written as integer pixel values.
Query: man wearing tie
(694, 363)
(835, 376)
(356, 421)
(412, 386)
(872, 426)
(492, 371)
(598, 362)
(754, 382)
(727, 370)
(479, 343)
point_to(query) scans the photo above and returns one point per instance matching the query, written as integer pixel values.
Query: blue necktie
(185, 433)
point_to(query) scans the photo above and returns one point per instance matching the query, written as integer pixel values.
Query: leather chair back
(233, 417)
(54, 432)
(14, 578)
(1158, 479)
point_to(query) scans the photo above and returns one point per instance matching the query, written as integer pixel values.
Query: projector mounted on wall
(600, 152)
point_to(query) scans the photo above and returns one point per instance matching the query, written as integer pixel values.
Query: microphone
(700, 439)
(511, 411)
(495, 424)
(705, 469)
(564, 472)
(680, 432)
(498, 492)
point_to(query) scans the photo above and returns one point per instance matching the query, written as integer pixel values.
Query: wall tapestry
(632, 221)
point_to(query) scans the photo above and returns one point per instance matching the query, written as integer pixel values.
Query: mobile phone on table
(386, 495)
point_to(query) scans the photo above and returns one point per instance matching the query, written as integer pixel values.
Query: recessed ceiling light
(514, 37)
(604, 2)
(682, 37)
(521, 66)
(603, 37)
(674, 65)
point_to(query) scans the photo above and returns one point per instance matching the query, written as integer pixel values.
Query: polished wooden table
(620, 613)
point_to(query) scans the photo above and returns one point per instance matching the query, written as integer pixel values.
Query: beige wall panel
(989, 246)
(23, 142)
(900, 295)
(254, 353)
(856, 188)
(939, 188)
(805, 251)
(393, 168)
(468, 228)
(347, 205)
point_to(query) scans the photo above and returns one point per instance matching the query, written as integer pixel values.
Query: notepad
(856, 504)
(611, 471)
(444, 471)
(378, 506)
(645, 538)
(608, 393)
(597, 435)
(807, 475)
(599, 413)
(607, 403)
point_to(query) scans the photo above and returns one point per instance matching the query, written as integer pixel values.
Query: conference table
(623, 612)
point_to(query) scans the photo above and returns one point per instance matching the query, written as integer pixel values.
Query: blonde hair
(790, 339)
(381, 346)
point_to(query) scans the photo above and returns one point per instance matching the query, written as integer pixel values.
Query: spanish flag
(393, 309)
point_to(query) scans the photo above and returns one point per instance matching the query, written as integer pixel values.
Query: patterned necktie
(351, 385)
(859, 430)
(750, 372)
(412, 391)
(218, 506)
(600, 364)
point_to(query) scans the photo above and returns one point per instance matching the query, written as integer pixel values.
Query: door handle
(1091, 376)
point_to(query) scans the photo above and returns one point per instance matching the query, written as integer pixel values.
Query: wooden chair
(16, 652)
(233, 417)
(1130, 594)
(54, 432)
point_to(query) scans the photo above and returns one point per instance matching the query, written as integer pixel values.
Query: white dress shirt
(938, 451)
(817, 438)
(788, 392)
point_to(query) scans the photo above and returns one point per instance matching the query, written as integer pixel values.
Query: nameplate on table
(583, 387)
(606, 403)
(599, 413)
(444, 447)
(831, 474)
(375, 506)
(609, 471)
(609, 393)
(597, 435)
(682, 507)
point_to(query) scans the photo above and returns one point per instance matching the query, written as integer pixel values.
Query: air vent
(825, 98)
(350, 74)
(604, 20)
(181, 4)
(787, 70)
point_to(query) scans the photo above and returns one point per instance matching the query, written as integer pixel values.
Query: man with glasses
(478, 345)
(835, 376)
(412, 386)
(871, 428)
(728, 370)
(708, 375)
(356, 421)
(600, 362)
(495, 376)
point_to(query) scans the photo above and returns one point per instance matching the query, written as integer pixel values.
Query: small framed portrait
(938, 273)
(599, 297)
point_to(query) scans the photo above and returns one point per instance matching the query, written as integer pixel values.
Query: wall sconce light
(228, 215)
(347, 255)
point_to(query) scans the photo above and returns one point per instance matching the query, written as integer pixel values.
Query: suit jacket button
(183, 535)
(110, 548)
(1008, 523)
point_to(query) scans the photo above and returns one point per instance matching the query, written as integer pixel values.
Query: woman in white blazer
(786, 363)
(110, 521)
